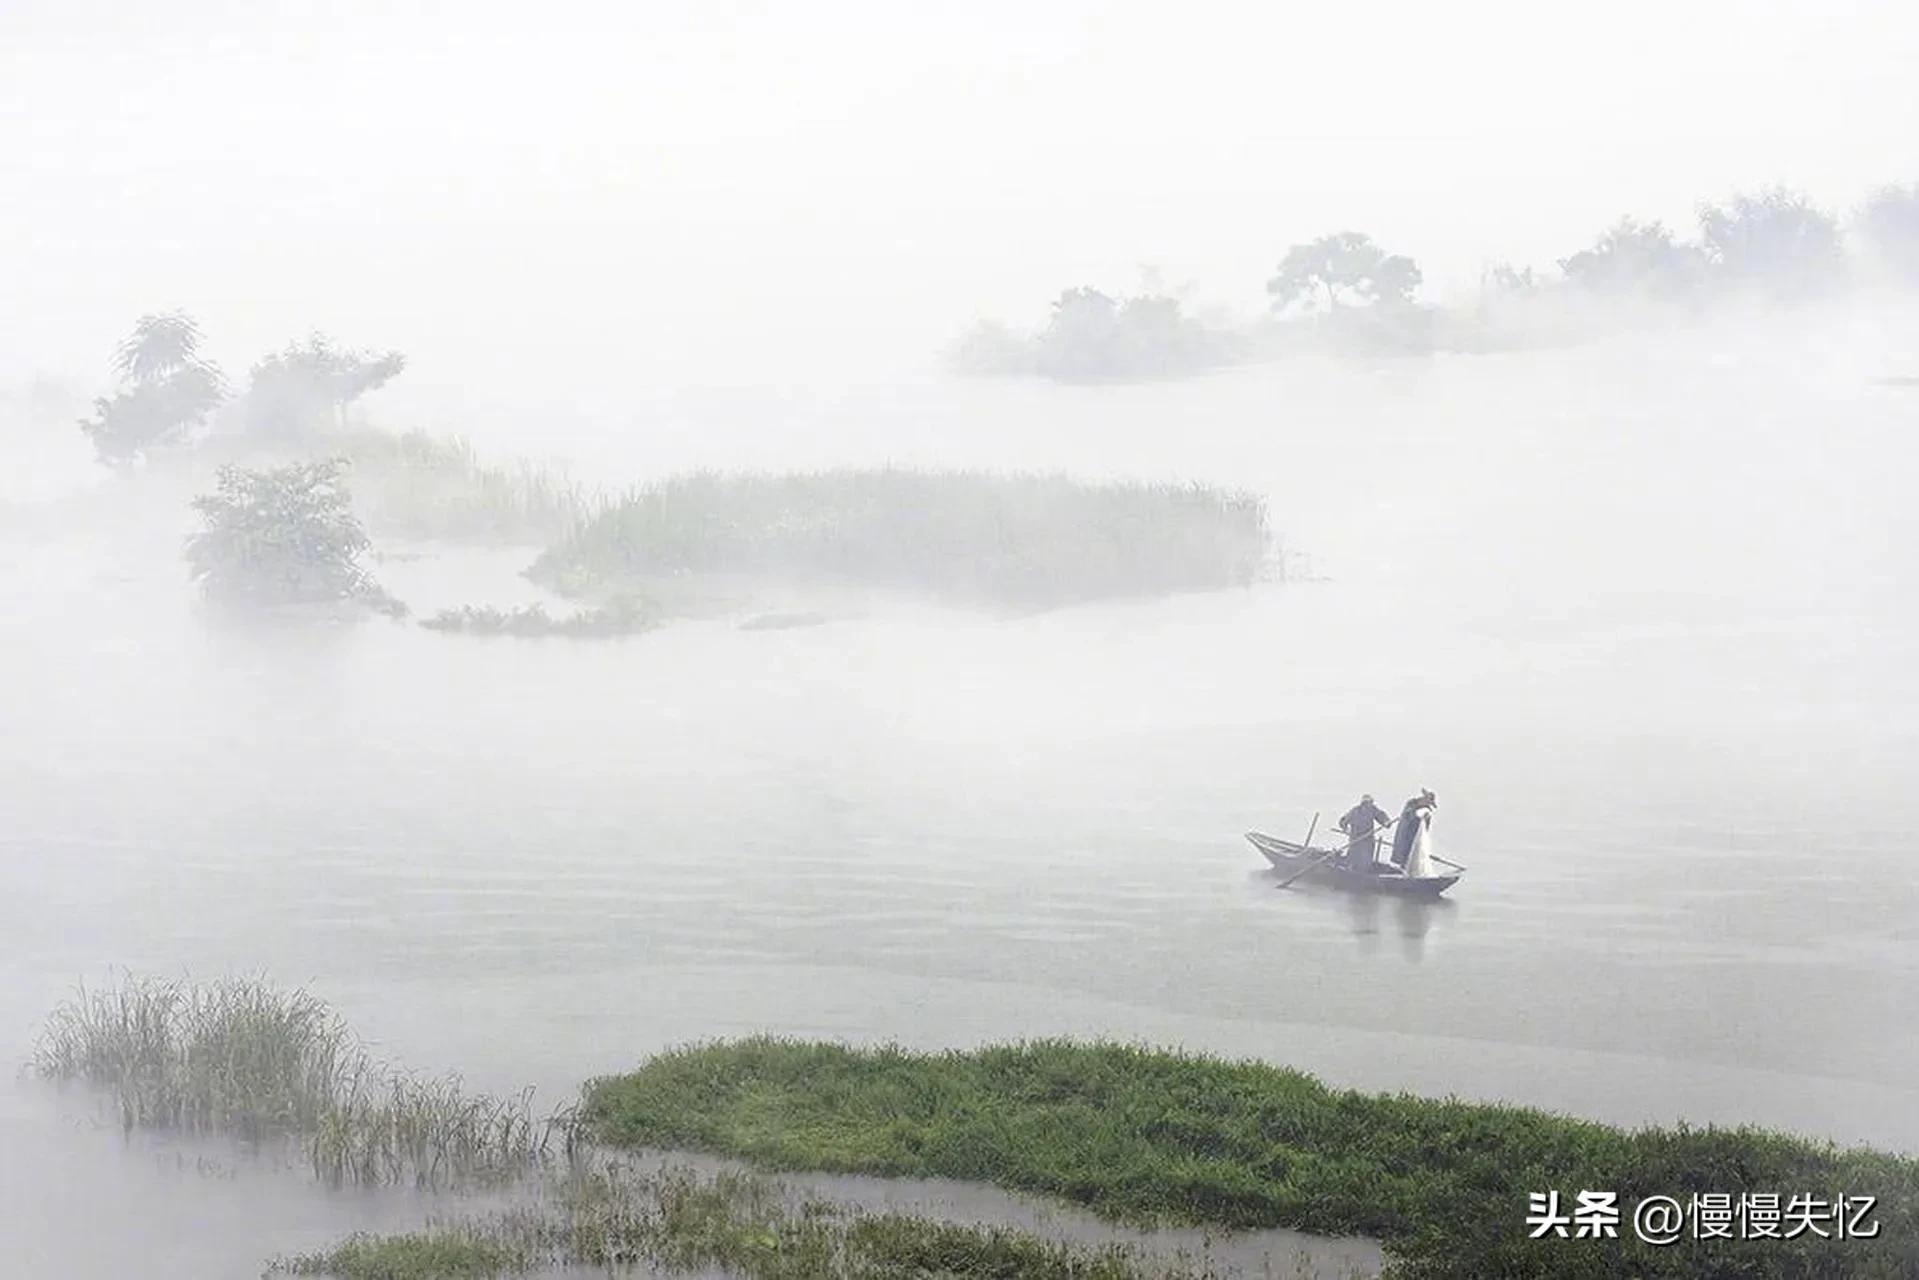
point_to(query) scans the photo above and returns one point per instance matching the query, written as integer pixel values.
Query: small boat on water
(1327, 868)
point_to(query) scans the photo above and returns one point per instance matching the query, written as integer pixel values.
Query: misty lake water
(1639, 613)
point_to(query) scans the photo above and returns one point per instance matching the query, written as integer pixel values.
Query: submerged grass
(748, 1226)
(622, 616)
(246, 1058)
(1144, 1135)
(1018, 540)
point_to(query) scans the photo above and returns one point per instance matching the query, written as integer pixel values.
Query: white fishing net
(1419, 862)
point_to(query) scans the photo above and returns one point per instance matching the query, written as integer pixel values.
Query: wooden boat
(1291, 858)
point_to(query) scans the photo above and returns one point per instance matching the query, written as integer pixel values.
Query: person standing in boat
(1412, 820)
(1362, 825)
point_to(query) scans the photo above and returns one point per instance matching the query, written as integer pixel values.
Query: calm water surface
(1643, 627)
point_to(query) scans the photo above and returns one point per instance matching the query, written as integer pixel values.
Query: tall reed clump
(419, 485)
(1029, 541)
(740, 1224)
(243, 1057)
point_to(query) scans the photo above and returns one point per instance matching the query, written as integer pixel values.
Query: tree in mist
(1777, 241)
(990, 347)
(1633, 258)
(1504, 280)
(1346, 266)
(307, 387)
(1092, 335)
(166, 389)
(1889, 225)
(283, 535)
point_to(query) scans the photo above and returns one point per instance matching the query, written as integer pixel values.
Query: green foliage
(1345, 266)
(1144, 1135)
(158, 347)
(1889, 224)
(1637, 259)
(1775, 241)
(243, 1057)
(307, 387)
(1029, 541)
(166, 390)
(441, 1254)
(622, 616)
(735, 1224)
(285, 535)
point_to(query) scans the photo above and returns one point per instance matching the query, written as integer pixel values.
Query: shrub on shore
(1144, 1135)
(284, 535)
(1018, 540)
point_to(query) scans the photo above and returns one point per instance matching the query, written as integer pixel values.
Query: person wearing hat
(1418, 812)
(1362, 825)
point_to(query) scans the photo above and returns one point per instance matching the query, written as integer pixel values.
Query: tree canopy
(308, 386)
(1889, 224)
(1344, 267)
(166, 389)
(1776, 240)
(1636, 258)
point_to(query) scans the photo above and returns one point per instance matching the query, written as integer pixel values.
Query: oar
(1330, 853)
(1307, 844)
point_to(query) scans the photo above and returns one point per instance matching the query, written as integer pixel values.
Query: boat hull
(1294, 858)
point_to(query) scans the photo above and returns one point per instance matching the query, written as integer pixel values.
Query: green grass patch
(1150, 1136)
(1015, 540)
(440, 1253)
(745, 1225)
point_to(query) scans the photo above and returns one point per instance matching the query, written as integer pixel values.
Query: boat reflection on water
(1372, 916)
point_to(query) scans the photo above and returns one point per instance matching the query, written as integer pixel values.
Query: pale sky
(684, 189)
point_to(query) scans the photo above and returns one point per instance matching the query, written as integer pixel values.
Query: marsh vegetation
(1030, 541)
(742, 1224)
(1138, 1134)
(622, 616)
(413, 484)
(247, 1058)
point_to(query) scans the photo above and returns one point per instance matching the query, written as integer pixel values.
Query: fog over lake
(1640, 610)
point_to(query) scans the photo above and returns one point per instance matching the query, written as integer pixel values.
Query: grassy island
(1154, 1136)
(1025, 541)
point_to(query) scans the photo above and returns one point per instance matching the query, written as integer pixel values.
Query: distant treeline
(169, 392)
(1345, 293)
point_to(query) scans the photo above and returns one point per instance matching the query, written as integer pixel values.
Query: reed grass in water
(742, 1224)
(419, 485)
(246, 1058)
(1016, 540)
